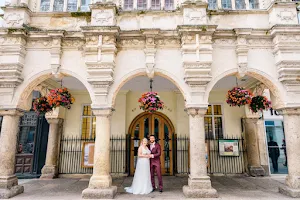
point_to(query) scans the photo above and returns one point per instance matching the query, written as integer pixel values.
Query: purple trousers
(153, 169)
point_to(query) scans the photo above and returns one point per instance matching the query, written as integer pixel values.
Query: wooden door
(156, 124)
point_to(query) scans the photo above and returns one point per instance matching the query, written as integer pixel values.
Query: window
(45, 5)
(88, 125)
(141, 4)
(155, 4)
(253, 4)
(240, 4)
(169, 4)
(58, 5)
(85, 5)
(226, 4)
(128, 4)
(212, 4)
(213, 122)
(72, 5)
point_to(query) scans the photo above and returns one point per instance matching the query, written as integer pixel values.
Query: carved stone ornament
(150, 70)
(286, 15)
(131, 43)
(196, 112)
(242, 70)
(103, 17)
(13, 19)
(195, 16)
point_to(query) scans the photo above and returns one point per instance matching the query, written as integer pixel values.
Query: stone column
(291, 117)
(251, 135)
(100, 186)
(199, 184)
(50, 169)
(262, 146)
(8, 143)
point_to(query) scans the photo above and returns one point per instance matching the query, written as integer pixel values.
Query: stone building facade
(192, 49)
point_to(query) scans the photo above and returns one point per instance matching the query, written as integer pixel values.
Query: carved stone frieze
(289, 72)
(194, 16)
(38, 44)
(168, 42)
(286, 15)
(260, 43)
(12, 41)
(197, 73)
(224, 42)
(137, 43)
(73, 44)
(188, 39)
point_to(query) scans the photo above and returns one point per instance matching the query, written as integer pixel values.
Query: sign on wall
(88, 154)
(229, 147)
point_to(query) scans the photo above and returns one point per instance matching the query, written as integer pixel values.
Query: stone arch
(276, 88)
(183, 88)
(24, 91)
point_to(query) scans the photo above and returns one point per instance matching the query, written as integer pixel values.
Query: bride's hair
(145, 139)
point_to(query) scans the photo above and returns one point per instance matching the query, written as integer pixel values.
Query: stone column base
(199, 193)
(49, 172)
(13, 191)
(289, 191)
(256, 171)
(103, 193)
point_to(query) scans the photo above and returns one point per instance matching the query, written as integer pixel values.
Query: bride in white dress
(141, 183)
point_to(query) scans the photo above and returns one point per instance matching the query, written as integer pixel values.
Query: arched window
(169, 4)
(155, 4)
(128, 4)
(240, 4)
(141, 4)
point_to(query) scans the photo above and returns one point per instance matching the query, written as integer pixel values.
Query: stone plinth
(8, 140)
(100, 185)
(291, 118)
(199, 184)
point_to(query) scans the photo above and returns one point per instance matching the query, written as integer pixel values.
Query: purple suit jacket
(156, 151)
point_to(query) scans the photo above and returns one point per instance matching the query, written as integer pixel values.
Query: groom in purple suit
(155, 163)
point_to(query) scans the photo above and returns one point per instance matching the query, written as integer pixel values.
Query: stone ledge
(105, 193)
(8, 193)
(199, 193)
(289, 191)
(256, 171)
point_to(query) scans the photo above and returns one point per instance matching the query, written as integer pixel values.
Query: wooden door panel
(153, 124)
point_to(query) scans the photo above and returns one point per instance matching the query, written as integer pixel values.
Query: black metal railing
(71, 155)
(215, 162)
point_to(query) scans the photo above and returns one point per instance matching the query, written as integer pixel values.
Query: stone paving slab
(228, 187)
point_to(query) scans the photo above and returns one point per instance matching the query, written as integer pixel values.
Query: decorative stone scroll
(103, 14)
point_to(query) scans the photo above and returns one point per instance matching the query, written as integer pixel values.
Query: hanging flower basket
(150, 102)
(238, 96)
(60, 97)
(41, 105)
(259, 103)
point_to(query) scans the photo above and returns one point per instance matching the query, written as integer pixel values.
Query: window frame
(65, 7)
(91, 122)
(213, 119)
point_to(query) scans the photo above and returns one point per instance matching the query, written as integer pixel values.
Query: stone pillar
(251, 135)
(262, 145)
(50, 169)
(100, 186)
(291, 117)
(199, 184)
(8, 143)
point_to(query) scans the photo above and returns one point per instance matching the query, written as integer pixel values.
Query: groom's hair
(152, 136)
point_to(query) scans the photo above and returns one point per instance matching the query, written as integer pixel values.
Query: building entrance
(156, 124)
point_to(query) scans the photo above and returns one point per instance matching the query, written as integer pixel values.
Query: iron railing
(70, 159)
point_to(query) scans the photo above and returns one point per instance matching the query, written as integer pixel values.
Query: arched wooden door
(157, 124)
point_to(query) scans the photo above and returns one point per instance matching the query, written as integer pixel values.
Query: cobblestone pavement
(229, 187)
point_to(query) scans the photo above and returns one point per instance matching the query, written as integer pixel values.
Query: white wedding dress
(141, 183)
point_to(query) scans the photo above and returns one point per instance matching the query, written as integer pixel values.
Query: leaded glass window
(141, 4)
(72, 5)
(128, 4)
(253, 4)
(240, 4)
(85, 5)
(226, 4)
(155, 4)
(58, 5)
(169, 4)
(212, 4)
(45, 5)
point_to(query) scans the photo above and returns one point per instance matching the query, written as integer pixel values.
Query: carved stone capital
(289, 111)
(11, 112)
(196, 111)
(103, 112)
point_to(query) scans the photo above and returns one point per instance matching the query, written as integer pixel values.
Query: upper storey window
(155, 4)
(64, 5)
(233, 4)
(141, 4)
